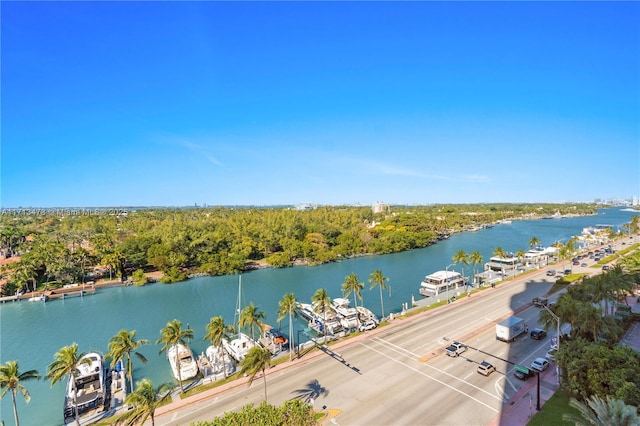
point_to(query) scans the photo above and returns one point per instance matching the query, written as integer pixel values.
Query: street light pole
(557, 318)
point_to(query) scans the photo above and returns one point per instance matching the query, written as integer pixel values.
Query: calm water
(32, 332)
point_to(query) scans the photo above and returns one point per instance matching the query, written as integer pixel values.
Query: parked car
(540, 301)
(539, 364)
(538, 334)
(567, 271)
(369, 325)
(605, 267)
(584, 265)
(551, 354)
(486, 368)
(522, 373)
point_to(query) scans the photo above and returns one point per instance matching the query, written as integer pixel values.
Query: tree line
(56, 249)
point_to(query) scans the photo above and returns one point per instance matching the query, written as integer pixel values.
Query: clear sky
(178, 103)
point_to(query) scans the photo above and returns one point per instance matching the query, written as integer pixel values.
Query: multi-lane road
(399, 375)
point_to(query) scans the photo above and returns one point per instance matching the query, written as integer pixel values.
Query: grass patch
(319, 416)
(201, 388)
(552, 411)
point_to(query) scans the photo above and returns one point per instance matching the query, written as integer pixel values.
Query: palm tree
(173, 334)
(257, 359)
(66, 361)
(461, 257)
(533, 242)
(10, 378)
(520, 254)
(145, 399)
(216, 331)
(321, 304)
(120, 347)
(612, 412)
(476, 259)
(251, 316)
(288, 305)
(499, 252)
(353, 285)
(378, 279)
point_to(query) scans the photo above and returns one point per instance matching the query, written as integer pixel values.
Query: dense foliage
(292, 413)
(62, 247)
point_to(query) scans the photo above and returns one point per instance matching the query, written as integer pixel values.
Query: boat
(85, 388)
(181, 355)
(216, 363)
(239, 344)
(325, 323)
(348, 315)
(273, 339)
(442, 281)
(365, 315)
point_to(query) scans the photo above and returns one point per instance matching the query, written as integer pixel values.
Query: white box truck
(509, 329)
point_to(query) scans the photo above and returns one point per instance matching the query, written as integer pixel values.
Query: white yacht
(348, 315)
(220, 362)
(85, 388)
(238, 346)
(181, 355)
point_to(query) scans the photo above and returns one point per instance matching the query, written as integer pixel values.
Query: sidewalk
(519, 409)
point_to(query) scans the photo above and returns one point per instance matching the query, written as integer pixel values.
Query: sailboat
(239, 344)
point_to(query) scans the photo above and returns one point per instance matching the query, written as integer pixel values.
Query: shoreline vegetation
(48, 248)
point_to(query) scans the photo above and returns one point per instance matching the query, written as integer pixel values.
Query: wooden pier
(58, 293)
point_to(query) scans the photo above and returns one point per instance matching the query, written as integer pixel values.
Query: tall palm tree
(120, 347)
(476, 259)
(288, 306)
(66, 360)
(461, 257)
(378, 279)
(321, 304)
(520, 254)
(257, 359)
(352, 285)
(499, 252)
(173, 334)
(217, 331)
(10, 378)
(534, 241)
(145, 400)
(609, 412)
(251, 316)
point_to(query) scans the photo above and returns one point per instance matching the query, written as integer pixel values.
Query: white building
(379, 207)
(440, 282)
(505, 265)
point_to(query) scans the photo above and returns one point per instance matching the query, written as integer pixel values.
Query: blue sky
(170, 103)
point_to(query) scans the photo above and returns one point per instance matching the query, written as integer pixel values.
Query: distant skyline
(281, 103)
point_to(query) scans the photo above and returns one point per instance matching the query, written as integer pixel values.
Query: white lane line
(404, 352)
(432, 378)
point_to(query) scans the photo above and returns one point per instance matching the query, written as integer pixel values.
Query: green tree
(321, 303)
(251, 316)
(145, 400)
(10, 378)
(352, 285)
(499, 252)
(66, 360)
(217, 331)
(378, 279)
(604, 412)
(461, 257)
(120, 347)
(533, 242)
(476, 259)
(288, 306)
(173, 334)
(257, 359)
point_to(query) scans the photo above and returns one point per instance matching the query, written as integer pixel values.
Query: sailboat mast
(236, 315)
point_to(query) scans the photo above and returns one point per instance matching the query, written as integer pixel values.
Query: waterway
(31, 332)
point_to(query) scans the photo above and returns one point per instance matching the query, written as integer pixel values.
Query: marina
(33, 332)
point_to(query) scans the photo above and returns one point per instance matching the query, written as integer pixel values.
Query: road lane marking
(422, 373)
(404, 352)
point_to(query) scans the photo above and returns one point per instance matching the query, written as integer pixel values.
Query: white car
(539, 364)
(551, 354)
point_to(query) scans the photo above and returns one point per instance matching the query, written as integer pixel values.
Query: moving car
(486, 368)
(551, 272)
(538, 334)
(539, 364)
(540, 301)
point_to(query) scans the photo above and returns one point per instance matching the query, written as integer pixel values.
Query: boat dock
(58, 293)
